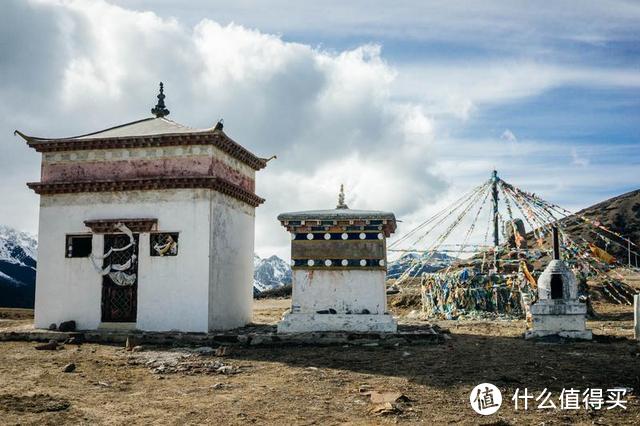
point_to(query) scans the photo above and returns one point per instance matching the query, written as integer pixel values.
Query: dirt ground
(319, 385)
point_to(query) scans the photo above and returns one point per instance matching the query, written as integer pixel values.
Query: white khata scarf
(117, 272)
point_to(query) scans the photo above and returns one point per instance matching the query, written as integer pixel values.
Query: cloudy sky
(407, 102)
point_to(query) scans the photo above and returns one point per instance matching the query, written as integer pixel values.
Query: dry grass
(301, 385)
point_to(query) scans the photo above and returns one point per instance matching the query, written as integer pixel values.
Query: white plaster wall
(345, 291)
(231, 270)
(172, 291)
(66, 289)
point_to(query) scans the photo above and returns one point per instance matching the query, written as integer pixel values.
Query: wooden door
(120, 302)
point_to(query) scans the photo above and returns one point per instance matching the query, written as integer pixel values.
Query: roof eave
(64, 144)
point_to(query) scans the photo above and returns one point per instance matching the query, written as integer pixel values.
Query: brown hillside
(620, 214)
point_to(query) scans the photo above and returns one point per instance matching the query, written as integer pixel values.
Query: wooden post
(636, 316)
(556, 243)
(494, 191)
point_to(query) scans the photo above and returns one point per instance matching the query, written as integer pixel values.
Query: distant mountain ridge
(18, 253)
(427, 263)
(270, 273)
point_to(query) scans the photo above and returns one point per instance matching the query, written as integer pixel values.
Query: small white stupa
(339, 265)
(558, 311)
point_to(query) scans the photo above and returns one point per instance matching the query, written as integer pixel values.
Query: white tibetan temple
(148, 225)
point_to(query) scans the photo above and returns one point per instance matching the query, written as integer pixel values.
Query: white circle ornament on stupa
(309, 236)
(310, 262)
(363, 235)
(363, 262)
(327, 262)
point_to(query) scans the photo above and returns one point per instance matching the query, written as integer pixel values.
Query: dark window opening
(556, 286)
(79, 245)
(164, 244)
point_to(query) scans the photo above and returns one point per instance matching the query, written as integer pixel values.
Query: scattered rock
(104, 384)
(221, 351)
(184, 361)
(67, 326)
(69, 368)
(75, 340)
(217, 386)
(51, 346)
(385, 403)
(384, 397)
(137, 348)
(204, 350)
(259, 340)
(128, 344)
(53, 326)
(226, 369)
(364, 389)
(385, 409)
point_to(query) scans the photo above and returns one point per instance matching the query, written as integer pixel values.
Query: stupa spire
(341, 204)
(160, 110)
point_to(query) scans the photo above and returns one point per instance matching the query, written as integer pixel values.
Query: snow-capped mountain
(270, 273)
(423, 263)
(18, 252)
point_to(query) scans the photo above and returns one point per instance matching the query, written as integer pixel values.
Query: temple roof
(337, 214)
(148, 132)
(146, 127)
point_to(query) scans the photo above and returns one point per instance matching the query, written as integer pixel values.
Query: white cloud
(459, 88)
(578, 160)
(509, 136)
(332, 116)
(329, 116)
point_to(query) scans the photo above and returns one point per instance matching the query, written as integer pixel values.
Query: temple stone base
(562, 318)
(581, 335)
(304, 323)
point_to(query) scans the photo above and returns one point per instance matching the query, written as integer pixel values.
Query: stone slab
(578, 335)
(250, 336)
(304, 323)
(558, 323)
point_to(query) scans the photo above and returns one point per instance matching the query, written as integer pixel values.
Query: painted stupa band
(339, 264)
(343, 250)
